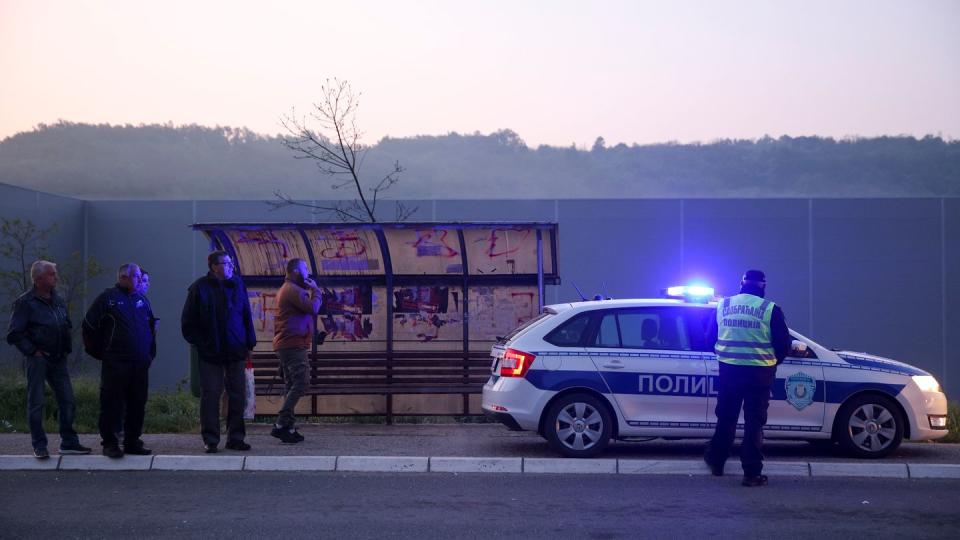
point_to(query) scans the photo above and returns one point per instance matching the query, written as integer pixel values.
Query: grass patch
(953, 423)
(174, 411)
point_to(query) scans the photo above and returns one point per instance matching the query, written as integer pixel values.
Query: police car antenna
(582, 297)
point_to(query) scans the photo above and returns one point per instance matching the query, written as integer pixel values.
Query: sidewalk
(474, 448)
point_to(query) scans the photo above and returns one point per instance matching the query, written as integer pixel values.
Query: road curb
(933, 470)
(662, 466)
(28, 463)
(864, 470)
(103, 463)
(476, 465)
(382, 464)
(569, 466)
(485, 465)
(198, 463)
(290, 463)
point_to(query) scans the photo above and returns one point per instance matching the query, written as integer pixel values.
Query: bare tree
(328, 135)
(21, 242)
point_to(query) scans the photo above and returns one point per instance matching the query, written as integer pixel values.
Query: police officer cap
(754, 275)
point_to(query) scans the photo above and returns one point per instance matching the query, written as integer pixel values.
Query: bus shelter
(410, 310)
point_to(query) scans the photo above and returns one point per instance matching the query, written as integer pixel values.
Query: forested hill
(194, 162)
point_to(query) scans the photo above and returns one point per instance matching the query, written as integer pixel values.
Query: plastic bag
(251, 409)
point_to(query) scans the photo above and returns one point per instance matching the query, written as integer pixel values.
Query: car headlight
(927, 383)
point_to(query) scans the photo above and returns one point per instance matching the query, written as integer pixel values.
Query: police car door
(796, 397)
(645, 357)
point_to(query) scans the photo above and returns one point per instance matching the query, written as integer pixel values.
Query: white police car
(585, 372)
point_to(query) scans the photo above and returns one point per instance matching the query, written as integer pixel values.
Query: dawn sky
(556, 72)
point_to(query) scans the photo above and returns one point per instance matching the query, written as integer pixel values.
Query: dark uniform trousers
(213, 378)
(123, 398)
(747, 387)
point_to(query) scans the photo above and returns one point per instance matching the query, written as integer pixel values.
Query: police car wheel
(869, 426)
(578, 426)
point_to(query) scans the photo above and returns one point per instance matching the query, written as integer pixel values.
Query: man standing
(119, 331)
(217, 321)
(751, 339)
(298, 302)
(40, 327)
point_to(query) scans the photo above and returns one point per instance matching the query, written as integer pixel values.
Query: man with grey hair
(118, 330)
(40, 327)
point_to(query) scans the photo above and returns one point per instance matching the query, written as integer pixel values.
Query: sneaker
(286, 435)
(237, 445)
(41, 453)
(136, 450)
(754, 481)
(73, 449)
(112, 451)
(210, 448)
(715, 469)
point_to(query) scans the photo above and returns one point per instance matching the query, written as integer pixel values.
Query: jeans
(213, 379)
(747, 387)
(296, 375)
(54, 373)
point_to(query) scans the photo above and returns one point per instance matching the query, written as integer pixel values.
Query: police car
(583, 373)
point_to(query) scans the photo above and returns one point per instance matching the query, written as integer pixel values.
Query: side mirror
(798, 348)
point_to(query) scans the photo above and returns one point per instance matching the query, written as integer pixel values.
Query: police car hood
(872, 362)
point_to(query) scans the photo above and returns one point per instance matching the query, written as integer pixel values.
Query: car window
(526, 325)
(570, 333)
(607, 333)
(661, 328)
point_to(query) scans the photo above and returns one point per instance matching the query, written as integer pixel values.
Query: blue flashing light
(691, 292)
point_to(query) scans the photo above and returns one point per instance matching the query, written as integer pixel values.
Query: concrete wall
(867, 275)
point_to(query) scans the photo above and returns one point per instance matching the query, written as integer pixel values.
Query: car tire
(869, 426)
(578, 426)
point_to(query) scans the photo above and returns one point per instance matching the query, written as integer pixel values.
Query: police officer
(751, 339)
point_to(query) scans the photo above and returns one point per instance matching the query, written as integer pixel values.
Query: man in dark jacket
(217, 321)
(118, 329)
(40, 327)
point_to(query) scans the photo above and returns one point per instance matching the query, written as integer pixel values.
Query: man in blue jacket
(118, 330)
(40, 328)
(216, 320)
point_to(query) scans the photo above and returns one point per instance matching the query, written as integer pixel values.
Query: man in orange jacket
(298, 303)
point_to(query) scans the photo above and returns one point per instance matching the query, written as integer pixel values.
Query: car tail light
(515, 363)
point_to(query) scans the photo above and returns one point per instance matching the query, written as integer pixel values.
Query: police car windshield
(797, 335)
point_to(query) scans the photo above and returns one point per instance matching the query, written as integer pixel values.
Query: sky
(556, 72)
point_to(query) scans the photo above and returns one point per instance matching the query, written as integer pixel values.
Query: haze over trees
(196, 162)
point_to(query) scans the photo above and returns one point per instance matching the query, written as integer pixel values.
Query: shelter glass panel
(264, 252)
(424, 251)
(354, 318)
(427, 317)
(505, 251)
(346, 252)
(496, 310)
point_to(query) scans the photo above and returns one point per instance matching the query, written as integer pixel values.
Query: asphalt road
(331, 505)
(470, 440)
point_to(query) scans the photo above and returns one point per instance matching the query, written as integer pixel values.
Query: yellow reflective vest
(743, 331)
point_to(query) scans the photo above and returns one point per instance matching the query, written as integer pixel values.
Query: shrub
(174, 411)
(953, 423)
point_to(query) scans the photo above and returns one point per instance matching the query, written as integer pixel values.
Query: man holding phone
(298, 302)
